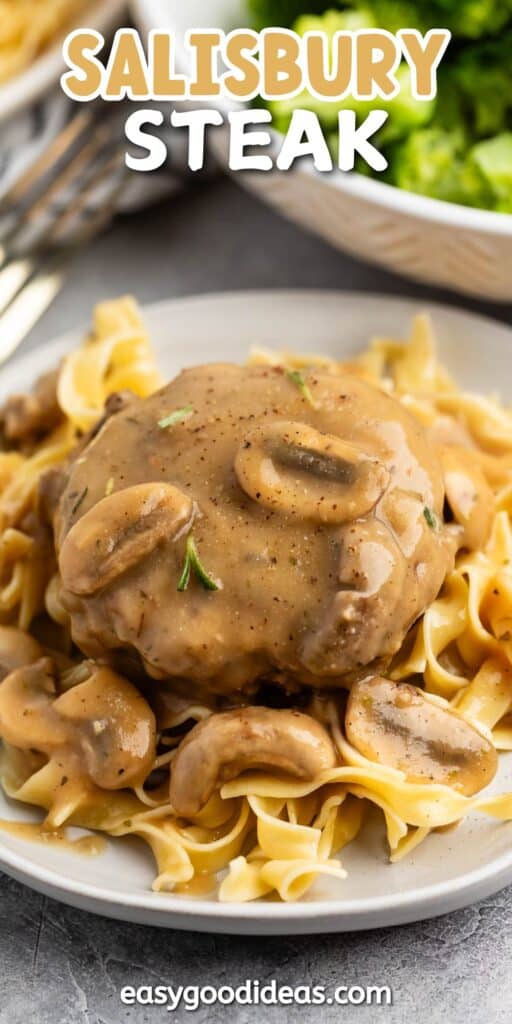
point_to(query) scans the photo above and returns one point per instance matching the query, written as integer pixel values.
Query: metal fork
(48, 216)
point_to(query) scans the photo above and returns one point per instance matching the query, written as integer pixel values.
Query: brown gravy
(35, 832)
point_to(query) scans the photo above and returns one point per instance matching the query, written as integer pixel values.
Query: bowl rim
(370, 190)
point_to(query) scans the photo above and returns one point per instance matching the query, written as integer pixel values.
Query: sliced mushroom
(103, 721)
(468, 495)
(227, 744)
(295, 469)
(27, 716)
(16, 650)
(357, 627)
(26, 417)
(113, 726)
(397, 725)
(119, 532)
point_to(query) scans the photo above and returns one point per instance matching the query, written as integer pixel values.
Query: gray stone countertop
(63, 966)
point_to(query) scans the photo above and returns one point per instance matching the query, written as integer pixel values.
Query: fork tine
(57, 149)
(15, 272)
(41, 205)
(105, 213)
(29, 305)
(42, 276)
(85, 156)
(79, 204)
(12, 278)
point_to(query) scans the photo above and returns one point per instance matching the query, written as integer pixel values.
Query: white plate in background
(31, 84)
(446, 872)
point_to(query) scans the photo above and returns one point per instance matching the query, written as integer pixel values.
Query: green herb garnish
(193, 564)
(185, 576)
(431, 518)
(79, 500)
(296, 378)
(176, 417)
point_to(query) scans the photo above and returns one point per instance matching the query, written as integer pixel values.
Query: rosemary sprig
(297, 378)
(431, 518)
(178, 416)
(79, 501)
(185, 576)
(193, 564)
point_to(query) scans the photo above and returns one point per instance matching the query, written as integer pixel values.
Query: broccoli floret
(468, 19)
(434, 163)
(282, 12)
(493, 159)
(327, 110)
(335, 21)
(405, 111)
(482, 76)
(472, 19)
(396, 14)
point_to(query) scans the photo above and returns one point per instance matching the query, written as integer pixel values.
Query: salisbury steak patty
(314, 505)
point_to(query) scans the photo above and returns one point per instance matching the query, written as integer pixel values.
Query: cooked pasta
(260, 831)
(27, 27)
(117, 355)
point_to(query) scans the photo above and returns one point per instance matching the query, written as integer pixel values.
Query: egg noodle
(268, 835)
(27, 27)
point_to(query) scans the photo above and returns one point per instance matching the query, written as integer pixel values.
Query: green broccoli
(470, 19)
(493, 159)
(327, 110)
(482, 76)
(405, 111)
(281, 12)
(335, 21)
(434, 163)
(457, 147)
(396, 14)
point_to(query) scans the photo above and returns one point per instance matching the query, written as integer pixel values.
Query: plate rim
(168, 910)
(58, 345)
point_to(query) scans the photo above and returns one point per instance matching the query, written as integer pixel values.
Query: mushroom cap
(27, 717)
(223, 746)
(398, 725)
(113, 726)
(103, 729)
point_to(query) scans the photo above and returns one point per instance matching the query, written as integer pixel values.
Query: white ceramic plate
(429, 240)
(448, 871)
(31, 84)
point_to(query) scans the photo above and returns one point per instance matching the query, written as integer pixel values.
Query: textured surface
(60, 966)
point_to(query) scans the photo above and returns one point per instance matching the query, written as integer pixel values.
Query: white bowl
(34, 81)
(439, 243)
